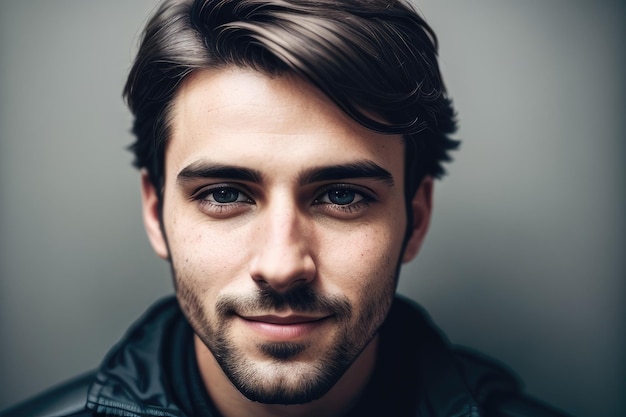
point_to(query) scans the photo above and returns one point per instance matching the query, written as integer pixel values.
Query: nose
(283, 255)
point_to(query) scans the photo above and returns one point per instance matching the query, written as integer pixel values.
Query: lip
(287, 328)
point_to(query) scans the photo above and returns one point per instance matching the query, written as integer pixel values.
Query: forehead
(243, 117)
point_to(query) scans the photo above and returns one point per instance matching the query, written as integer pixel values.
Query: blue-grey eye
(225, 195)
(341, 196)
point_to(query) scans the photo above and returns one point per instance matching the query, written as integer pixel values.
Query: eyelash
(363, 197)
(217, 208)
(349, 208)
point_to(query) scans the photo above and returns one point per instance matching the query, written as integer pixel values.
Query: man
(287, 152)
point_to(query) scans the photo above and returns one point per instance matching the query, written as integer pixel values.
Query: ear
(152, 217)
(421, 205)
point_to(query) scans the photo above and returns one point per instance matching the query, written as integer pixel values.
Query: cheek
(202, 267)
(204, 259)
(365, 263)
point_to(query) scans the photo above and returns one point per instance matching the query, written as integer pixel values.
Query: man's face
(283, 221)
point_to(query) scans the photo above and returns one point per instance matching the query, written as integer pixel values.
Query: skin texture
(283, 221)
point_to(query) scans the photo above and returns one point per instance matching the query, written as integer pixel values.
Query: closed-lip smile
(284, 320)
(277, 328)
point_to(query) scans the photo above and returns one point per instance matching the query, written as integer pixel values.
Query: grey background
(525, 258)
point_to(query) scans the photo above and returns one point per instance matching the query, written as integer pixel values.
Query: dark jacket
(417, 374)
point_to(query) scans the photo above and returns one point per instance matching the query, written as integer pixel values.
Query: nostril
(261, 282)
(280, 285)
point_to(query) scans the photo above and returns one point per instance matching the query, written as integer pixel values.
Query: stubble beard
(283, 379)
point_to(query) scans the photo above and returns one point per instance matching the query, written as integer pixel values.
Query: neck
(337, 402)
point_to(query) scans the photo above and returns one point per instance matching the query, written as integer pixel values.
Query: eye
(345, 201)
(340, 196)
(222, 201)
(225, 195)
(222, 195)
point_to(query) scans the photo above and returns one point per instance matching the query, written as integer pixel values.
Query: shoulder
(65, 400)
(497, 388)
(69, 399)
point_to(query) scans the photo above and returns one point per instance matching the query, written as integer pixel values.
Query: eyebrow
(359, 169)
(203, 169)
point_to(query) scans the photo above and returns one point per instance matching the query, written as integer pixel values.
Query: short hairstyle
(370, 57)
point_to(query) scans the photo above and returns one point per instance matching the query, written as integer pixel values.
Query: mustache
(301, 299)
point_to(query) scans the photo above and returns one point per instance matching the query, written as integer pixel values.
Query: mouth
(285, 328)
(284, 320)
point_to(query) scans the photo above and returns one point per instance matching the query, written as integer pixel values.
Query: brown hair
(369, 56)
